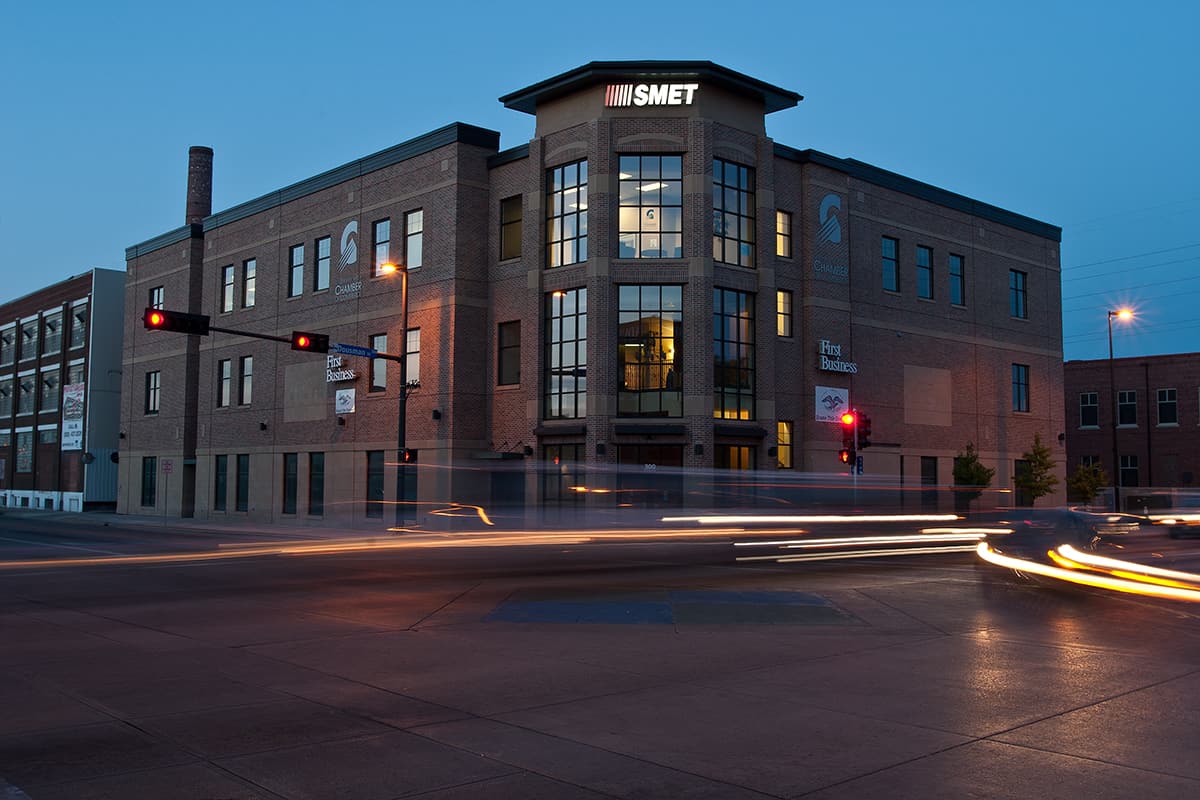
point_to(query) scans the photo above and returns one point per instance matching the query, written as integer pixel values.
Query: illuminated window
(651, 207)
(1089, 410)
(508, 367)
(224, 382)
(566, 354)
(1127, 408)
(732, 456)
(890, 263)
(1168, 409)
(733, 354)
(414, 238)
(649, 351)
(733, 213)
(924, 273)
(156, 298)
(153, 391)
(378, 381)
(1020, 387)
(296, 270)
(1017, 306)
(511, 218)
(958, 280)
(783, 440)
(249, 278)
(227, 289)
(381, 238)
(783, 312)
(783, 234)
(321, 273)
(566, 214)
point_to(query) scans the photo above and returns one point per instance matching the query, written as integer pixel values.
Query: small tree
(1037, 479)
(969, 472)
(1085, 482)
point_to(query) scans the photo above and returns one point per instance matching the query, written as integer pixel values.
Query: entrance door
(929, 482)
(650, 475)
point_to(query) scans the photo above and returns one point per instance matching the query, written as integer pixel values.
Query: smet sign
(620, 95)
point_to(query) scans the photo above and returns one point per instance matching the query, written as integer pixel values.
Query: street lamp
(402, 417)
(1122, 314)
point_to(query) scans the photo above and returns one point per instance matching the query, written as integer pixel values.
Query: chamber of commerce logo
(349, 245)
(832, 402)
(831, 227)
(620, 95)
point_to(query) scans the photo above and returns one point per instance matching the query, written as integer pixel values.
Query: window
(958, 281)
(6, 399)
(783, 439)
(733, 213)
(783, 312)
(29, 339)
(316, 484)
(49, 391)
(890, 263)
(291, 466)
(25, 395)
(1129, 470)
(378, 365)
(566, 354)
(8, 345)
(1089, 461)
(153, 388)
(149, 481)
(381, 244)
(733, 354)
(220, 482)
(74, 374)
(321, 273)
(1020, 387)
(79, 318)
(375, 484)
(511, 217)
(651, 207)
(241, 498)
(650, 351)
(1127, 408)
(227, 289)
(24, 451)
(224, 380)
(563, 470)
(1168, 409)
(412, 357)
(1089, 410)
(924, 273)
(508, 366)
(52, 333)
(246, 387)
(731, 456)
(156, 298)
(1016, 294)
(48, 436)
(249, 270)
(783, 234)
(566, 214)
(296, 272)
(414, 238)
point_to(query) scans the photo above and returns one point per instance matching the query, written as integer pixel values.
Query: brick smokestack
(199, 185)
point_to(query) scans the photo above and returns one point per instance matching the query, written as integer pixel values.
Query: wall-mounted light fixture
(698, 449)
(437, 414)
(341, 420)
(600, 449)
(262, 426)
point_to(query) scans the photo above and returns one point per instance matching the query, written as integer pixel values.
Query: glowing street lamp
(1124, 314)
(391, 268)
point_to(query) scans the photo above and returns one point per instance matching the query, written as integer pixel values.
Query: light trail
(735, 519)
(853, 554)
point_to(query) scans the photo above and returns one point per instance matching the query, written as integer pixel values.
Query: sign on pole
(353, 350)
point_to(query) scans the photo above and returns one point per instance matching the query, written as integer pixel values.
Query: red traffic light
(310, 342)
(303, 341)
(848, 418)
(155, 319)
(178, 321)
(844, 456)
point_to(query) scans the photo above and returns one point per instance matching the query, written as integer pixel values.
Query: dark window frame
(562, 182)
(245, 380)
(224, 382)
(291, 472)
(377, 379)
(227, 293)
(1020, 388)
(924, 272)
(1089, 410)
(1168, 399)
(1127, 408)
(1018, 294)
(958, 280)
(734, 206)
(414, 238)
(734, 354)
(295, 270)
(249, 282)
(381, 244)
(241, 498)
(221, 483)
(153, 391)
(149, 481)
(565, 311)
(323, 249)
(156, 297)
(316, 484)
(512, 226)
(889, 265)
(508, 353)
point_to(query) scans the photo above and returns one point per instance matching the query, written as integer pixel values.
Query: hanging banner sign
(72, 419)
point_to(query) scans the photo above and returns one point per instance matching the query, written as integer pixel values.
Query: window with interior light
(649, 351)
(650, 213)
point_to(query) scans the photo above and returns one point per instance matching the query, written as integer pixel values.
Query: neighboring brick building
(60, 358)
(650, 283)
(1157, 408)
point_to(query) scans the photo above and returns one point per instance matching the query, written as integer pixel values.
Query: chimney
(199, 185)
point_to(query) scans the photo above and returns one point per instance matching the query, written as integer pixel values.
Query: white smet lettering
(639, 94)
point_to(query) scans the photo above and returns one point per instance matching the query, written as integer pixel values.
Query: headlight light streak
(1117, 564)
(733, 519)
(847, 554)
(987, 553)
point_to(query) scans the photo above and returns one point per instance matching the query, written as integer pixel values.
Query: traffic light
(864, 431)
(844, 456)
(158, 319)
(849, 420)
(410, 456)
(310, 342)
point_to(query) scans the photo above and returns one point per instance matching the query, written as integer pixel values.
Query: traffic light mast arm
(250, 334)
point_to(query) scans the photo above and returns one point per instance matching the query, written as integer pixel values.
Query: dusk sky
(1081, 116)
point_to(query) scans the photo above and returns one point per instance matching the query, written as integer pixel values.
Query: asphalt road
(363, 666)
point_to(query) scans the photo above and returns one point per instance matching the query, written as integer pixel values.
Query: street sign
(353, 350)
(858, 464)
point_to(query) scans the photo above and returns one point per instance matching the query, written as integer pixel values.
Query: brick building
(1156, 404)
(60, 359)
(650, 284)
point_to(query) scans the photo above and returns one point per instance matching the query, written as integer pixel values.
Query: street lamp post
(402, 415)
(1123, 313)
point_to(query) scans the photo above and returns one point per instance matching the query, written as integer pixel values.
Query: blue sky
(1085, 117)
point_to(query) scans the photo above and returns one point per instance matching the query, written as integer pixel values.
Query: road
(631, 669)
